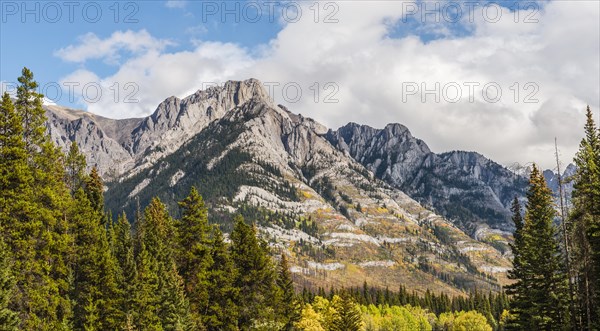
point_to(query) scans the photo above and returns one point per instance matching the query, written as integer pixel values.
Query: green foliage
(539, 301)
(222, 312)
(163, 296)
(584, 222)
(348, 316)
(288, 307)
(75, 168)
(255, 275)
(463, 321)
(9, 319)
(94, 189)
(95, 287)
(194, 245)
(123, 251)
(34, 220)
(29, 108)
(326, 314)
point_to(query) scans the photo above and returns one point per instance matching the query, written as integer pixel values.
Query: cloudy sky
(501, 80)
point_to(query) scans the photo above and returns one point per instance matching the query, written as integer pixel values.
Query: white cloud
(176, 4)
(559, 54)
(92, 47)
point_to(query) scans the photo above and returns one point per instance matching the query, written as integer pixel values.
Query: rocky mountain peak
(119, 146)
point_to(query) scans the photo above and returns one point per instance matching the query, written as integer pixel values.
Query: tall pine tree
(95, 286)
(222, 312)
(348, 316)
(94, 188)
(540, 301)
(40, 238)
(156, 266)
(75, 168)
(518, 289)
(122, 249)
(288, 307)
(194, 256)
(255, 275)
(9, 319)
(585, 224)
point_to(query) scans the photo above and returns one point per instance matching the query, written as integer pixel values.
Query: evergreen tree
(157, 267)
(9, 319)
(122, 249)
(585, 224)
(194, 256)
(254, 276)
(518, 289)
(146, 298)
(39, 236)
(75, 168)
(221, 313)
(541, 289)
(95, 288)
(94, 188)
(29, 108)
(348, 316)
(15, 176)
(288, 307)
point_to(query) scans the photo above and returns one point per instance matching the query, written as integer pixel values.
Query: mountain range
(349, 205)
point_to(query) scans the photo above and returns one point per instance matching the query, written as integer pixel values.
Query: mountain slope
(125, 146)
(465, 187)
(339, 223)
(263, 161)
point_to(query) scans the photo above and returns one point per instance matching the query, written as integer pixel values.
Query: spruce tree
(9, 319)
(540, 302)
(157, 266)
(585, 223)
(16, 179)
(95, 289)
(254, 276)
(146, 298)
(29, 108)
(518, 289)
(94, 188)
(348, 316)
(222, 312)
(40, 238)
(194, 256)
(75, 168)
(122, 248)
(288, 307)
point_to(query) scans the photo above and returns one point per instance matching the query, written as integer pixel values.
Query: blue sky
(366, 61)
(181, 23)
(45, 27)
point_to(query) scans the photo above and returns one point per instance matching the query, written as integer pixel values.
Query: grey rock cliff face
(463, 186)
(242, 151)
(124, 147)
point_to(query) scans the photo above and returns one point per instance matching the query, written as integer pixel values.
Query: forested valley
(66, 263)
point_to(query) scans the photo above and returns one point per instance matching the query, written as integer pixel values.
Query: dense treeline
(341, 314)
(492, 306)
(557, 269)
